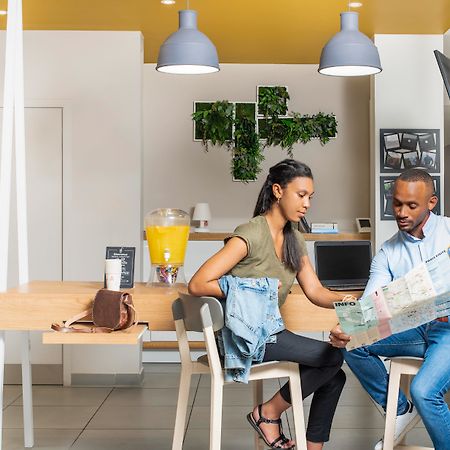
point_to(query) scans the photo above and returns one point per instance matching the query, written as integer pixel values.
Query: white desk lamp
(202, 213)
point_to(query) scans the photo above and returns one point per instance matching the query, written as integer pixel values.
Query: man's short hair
(417, 175)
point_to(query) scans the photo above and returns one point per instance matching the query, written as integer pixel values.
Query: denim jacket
(252, 318)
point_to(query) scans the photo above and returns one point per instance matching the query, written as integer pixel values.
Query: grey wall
(178, 173)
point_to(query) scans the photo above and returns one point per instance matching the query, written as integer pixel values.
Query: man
(421, 235)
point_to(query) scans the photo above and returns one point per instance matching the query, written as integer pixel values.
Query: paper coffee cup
(113, 273)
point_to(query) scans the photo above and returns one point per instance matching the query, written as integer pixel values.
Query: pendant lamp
(349, 53)
(188, 50)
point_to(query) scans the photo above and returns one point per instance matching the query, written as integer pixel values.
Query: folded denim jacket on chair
(252, 318)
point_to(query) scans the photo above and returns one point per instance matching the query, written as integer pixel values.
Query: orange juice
(167, 244)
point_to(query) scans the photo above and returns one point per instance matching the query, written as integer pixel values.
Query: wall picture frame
(276, 90)
(402, 149)
(198, 132)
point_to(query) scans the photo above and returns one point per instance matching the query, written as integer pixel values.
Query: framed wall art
(402, 149)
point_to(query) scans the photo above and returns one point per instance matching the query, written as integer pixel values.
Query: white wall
(408, 93)
(178, 173)
(96, 78)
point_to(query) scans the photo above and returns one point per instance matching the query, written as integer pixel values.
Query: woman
(268, 246)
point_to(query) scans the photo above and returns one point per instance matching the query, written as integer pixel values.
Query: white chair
(205, 314)
(403, 365)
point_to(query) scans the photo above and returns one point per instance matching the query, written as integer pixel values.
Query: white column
(407, 94)
(14, 125)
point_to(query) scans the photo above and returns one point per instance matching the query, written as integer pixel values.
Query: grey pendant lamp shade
(349, 52)
(188, 50)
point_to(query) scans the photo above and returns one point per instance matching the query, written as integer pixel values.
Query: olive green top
(261, 260)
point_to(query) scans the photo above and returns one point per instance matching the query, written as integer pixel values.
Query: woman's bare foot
(271, 430)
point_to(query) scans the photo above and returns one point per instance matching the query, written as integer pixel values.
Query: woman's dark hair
(283, 173)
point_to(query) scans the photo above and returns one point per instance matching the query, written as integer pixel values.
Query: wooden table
(36, 305)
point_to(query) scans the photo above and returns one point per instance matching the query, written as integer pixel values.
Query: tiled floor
(142, 419)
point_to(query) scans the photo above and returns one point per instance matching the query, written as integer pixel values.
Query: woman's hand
(338, 338)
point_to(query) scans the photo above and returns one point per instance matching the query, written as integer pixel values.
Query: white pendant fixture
(349, 53)
(188, 50)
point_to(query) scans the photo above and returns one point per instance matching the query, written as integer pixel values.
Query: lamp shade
(188, 50)
(202, 212)
(349, 52)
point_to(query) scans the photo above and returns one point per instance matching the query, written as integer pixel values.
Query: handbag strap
(68, 328)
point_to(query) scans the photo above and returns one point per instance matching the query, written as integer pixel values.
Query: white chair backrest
(195, 317)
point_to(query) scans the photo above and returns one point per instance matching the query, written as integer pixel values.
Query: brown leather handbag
(111, 311)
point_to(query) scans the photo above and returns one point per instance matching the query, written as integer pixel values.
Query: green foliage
(272, 101)
(215, 123)
(288, 132)
(247, 152)
(247, 110)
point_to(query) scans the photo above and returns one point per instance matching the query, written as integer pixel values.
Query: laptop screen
(343, 262)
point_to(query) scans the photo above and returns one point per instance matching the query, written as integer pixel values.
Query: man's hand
(338, 338)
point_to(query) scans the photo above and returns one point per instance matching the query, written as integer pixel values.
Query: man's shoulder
(392, 242)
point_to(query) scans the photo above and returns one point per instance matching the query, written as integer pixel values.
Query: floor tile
(165, 380)
(232, 417)
(125, 440)
(134, 417)
(232, 439)
(67, 396)
(145, 397)
(56, 417)
(10, 394)
(43, 439)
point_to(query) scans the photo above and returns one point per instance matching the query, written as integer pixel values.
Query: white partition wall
(407, 94)
(95, 79)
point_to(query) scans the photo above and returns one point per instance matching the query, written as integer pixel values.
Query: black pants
(320, 373)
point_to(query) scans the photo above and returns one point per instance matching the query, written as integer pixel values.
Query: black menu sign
(127, 256)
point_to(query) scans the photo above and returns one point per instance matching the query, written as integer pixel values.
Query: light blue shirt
(402, 252)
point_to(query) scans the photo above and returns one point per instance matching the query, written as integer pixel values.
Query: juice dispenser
(167, 232)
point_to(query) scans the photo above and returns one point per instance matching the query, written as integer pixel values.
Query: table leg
(27, 391)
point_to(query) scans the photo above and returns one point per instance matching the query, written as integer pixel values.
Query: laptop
(343, 265)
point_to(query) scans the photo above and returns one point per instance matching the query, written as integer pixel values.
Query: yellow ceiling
(244, 31)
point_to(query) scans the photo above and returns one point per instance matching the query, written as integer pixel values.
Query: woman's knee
(335, 357)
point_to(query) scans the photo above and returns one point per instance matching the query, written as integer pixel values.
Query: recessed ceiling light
(3, 12)
(355, 4)
(167, 2)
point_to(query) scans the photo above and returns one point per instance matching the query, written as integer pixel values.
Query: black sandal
(279, 441)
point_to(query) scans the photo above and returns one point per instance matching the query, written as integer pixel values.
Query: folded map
(420, 296)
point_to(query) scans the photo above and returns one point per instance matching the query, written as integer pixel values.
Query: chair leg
(182, 405)
(297, 409)
(257, 400)
(215, 430)
(391, 407)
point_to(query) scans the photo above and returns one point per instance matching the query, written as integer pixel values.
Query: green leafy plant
(300, 128)
(214, 123)
(247, 152)
(272, 101)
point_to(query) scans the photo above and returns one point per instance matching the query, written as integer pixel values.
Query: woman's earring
(278, 200)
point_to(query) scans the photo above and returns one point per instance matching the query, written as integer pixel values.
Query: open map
(422, 295)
